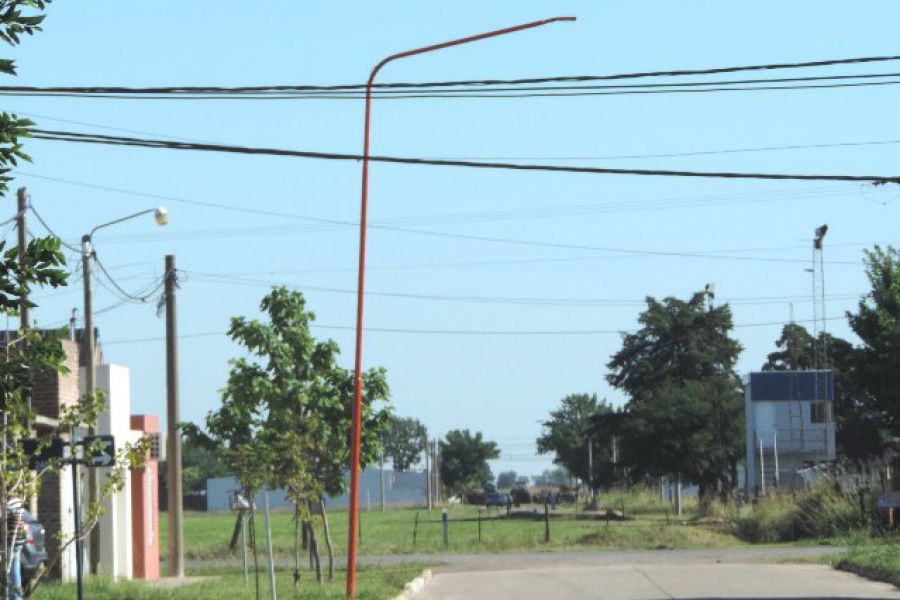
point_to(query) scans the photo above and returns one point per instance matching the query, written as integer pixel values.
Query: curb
(415, 586)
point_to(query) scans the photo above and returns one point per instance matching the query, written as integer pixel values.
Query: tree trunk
(314, 552)
(296, 544)
(253, 545)
(328, 542)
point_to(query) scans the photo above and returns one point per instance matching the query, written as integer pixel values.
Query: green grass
(372, 584)
(207, 534)
(877, 559)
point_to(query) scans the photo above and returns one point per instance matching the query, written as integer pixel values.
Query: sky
(579, 284)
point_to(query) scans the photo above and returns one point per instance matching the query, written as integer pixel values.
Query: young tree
(568, 433)
(404, 439)
(463, 463)
(685, 402)
(286, 411)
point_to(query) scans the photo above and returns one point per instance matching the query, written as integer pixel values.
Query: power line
(140, 297)
(459, 83)
(441, 234)
(452, 332)
(537, 301)
(67, 136)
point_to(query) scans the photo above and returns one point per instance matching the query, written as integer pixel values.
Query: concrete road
(645, 580)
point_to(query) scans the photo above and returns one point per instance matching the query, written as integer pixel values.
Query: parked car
(520, 495)
(33, 552)
(494, 499)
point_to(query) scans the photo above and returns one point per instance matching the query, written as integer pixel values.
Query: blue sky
(502, 385)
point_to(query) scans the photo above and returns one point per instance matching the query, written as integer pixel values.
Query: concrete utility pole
(590, 481)
(173, 436)
(22, 205)
(87, 267)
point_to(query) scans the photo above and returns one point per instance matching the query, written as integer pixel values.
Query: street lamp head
(161, 214)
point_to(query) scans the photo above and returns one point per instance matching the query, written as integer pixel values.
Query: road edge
(415, 586)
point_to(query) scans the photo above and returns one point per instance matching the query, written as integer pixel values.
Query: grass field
(372, 584)
(207, 534)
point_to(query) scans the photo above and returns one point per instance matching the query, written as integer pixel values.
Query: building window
(820, 411)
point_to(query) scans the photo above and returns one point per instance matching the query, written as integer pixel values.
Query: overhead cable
(467, 83)
(68, 136)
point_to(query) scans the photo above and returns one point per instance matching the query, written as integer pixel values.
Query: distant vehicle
(494, 499)
(520, 495)
(33, 552)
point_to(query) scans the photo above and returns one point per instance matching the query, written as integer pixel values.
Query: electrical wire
(441, 234)
(467, 83)
(508, 300)
(50, 230)
(68, 136)
(140, 297)
(455, 332)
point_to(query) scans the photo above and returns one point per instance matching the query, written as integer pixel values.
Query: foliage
(404, 439)
(567, 434)
(286, 408)
(198, 463)
(463, 460)
(684, 414)
(558, 477)
(820, 512)
(506, 479)
(877, 324)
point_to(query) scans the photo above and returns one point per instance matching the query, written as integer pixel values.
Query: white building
(790, 425)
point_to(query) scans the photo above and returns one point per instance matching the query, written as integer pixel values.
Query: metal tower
(820, 351)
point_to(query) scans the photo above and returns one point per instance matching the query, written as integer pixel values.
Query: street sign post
(93, 451)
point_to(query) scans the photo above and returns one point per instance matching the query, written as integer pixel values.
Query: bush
(822, 511)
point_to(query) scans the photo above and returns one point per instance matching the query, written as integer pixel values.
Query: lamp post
(161, 215)
(357, 392)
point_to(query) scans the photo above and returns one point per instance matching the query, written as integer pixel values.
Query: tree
(685, 402)
(286, 411)
(860, 431)
(877, 324)
(568, 433)
(557, 477)
(463, 464)
(507, 479)
(404, 439)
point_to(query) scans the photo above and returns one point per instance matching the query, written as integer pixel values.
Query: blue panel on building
(775, 386)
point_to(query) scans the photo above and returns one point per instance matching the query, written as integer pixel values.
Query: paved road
(671, 575)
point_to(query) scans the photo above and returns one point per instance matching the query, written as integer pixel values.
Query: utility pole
(428, 468)
(22, 204)
(87, 264)
(173, 436)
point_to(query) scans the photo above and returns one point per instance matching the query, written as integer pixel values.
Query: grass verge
(372, 584)
(873, 559)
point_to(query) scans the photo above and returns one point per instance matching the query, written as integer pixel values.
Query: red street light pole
(357, 393)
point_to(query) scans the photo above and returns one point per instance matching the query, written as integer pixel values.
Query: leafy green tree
(507, 479)
(558, 477)
(569, 431)
(404, 439)
(463, 461)
(684, 414)
(286, 410)
(877, 324)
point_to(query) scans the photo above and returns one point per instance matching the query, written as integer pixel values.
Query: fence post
(479, 525)
(446, 529)
(546, 522)
(416, 528)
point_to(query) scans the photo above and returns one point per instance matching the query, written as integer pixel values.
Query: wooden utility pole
(173, 436)
(428, 468)
(87, 264)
